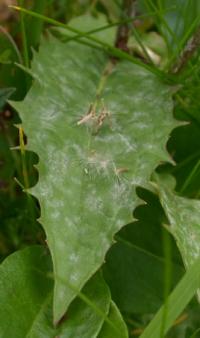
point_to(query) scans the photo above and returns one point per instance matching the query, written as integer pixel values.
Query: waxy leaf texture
(184, 221)
(99, 129)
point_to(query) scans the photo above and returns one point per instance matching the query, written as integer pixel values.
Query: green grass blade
(105, 46)
(190, 177)
(116, 23)
(34, 26)
(177, 301)
(24, 37)
(160, 15)
(183, 40)
(195, 334)
(167, 278)
(12, 43)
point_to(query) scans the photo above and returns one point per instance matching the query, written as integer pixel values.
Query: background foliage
(99, 163)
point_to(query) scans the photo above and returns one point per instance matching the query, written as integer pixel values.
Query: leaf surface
(86, 23)
(24, 292)
(176, 302)
(83, 320)
(135, 265)
(135, 277)
(96, 130)
(107, 331)
(184, 221)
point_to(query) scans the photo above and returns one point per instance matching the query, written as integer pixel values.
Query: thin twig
(124, 29)
(191, 47)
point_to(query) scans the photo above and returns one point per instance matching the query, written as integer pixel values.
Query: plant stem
(124, 29)
(191, 47)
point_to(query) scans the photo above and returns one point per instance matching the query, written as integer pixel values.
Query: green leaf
(5, 56)
(177, 301)
(175, 19)
(135, 265)
(92, 127)
(24, 291)
(26, 300)
(5, 93)
(184, 220)
(112, 8)
(87, 23)
(116, 318)
(135, 277)
(180, 18)
(84, 321)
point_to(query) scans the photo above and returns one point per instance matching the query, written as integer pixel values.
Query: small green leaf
(5, 56)
(24, 292)
(5, 93)
(26, 300)
(84, 321)
(116, 318)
